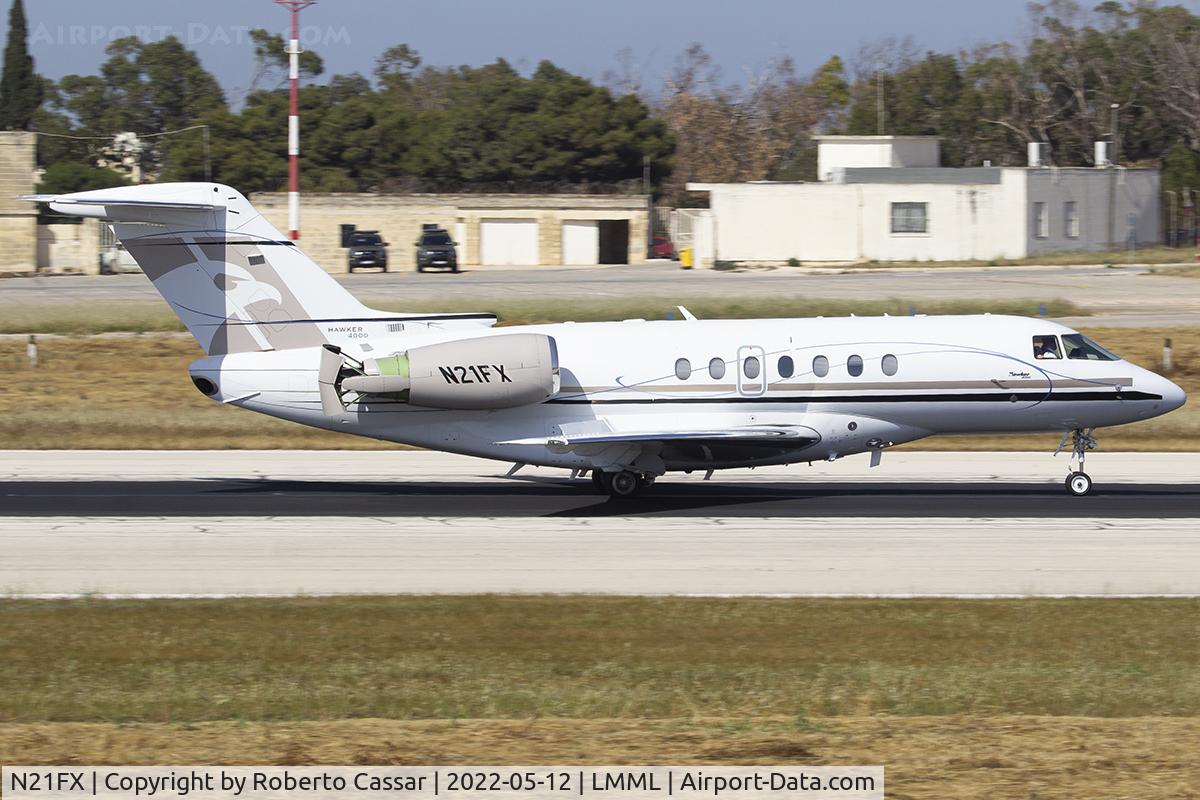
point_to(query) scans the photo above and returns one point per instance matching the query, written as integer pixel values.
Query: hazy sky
(583, 36)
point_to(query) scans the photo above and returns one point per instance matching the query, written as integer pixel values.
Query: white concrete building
(886, 199)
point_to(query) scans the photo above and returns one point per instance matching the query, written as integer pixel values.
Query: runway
(557, 497)
(202, 524)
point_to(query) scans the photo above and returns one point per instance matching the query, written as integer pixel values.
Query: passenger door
(751, 371)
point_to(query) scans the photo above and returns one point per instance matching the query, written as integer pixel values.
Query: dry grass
(143, 317)
(503, 657)
(1192, 271)
(968, 757)
(1148, 255)
(134, 393)
(130, 393)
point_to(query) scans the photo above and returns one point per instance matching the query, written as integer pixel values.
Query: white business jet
(624, 401)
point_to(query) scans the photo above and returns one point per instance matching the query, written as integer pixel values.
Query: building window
(854, 365)
(751, 367)
(1071, 219)
(786, 366)
(910, 218)
(1041, 221)
(716, 369)
(820, 366)
(683, 369)
(889, 364)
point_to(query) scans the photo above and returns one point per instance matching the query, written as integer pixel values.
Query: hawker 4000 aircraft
(626, 401)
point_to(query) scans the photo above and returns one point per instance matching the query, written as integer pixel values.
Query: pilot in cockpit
(1045, 347)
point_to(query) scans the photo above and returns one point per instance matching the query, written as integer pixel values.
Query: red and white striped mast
(294, 117)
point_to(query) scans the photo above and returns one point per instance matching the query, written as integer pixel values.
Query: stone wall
(66, 247)
(18, 219)
(399, 218)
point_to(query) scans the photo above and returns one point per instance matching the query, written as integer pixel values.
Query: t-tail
(234, 281)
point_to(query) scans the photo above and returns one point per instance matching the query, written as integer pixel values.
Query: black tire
(1079, 483)
(420, 268)
(624, 485)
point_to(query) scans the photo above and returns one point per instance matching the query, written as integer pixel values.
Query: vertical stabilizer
(236, 283)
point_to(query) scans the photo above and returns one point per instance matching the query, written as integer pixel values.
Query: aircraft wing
(795, 435)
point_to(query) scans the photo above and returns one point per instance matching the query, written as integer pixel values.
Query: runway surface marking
(889, 557)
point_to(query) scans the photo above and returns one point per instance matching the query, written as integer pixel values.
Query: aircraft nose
(1173, 395)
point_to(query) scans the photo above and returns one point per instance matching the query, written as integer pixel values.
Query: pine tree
(20, 88)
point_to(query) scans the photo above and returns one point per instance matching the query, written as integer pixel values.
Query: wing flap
(764, 434)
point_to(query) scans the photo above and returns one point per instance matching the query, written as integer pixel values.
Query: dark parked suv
(367, 249)
(436, 249)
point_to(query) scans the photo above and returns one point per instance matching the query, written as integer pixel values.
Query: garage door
(581, 242)
(508, 241)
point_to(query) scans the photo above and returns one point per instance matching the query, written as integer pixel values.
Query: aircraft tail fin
(231, 277)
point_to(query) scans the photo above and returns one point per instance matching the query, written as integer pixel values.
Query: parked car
(367, 249)
(662, 247)
(435, 249)
(115, 259)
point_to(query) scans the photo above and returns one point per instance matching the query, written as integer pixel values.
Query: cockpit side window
(1046, 347)
(1079, 346)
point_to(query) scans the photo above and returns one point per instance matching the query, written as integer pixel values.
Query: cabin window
(1046, 347)
(683, 369)
(889, 364)
(786, 366)
(716, 369)
(1079, 346)
(751, 368)
(820, 366)
(854, 365)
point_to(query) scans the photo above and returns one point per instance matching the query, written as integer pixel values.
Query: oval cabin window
(890, 365)
(786, 367)
(751, 367)
(683, 369)
(854, 365)
(716, 369)
(820, 366)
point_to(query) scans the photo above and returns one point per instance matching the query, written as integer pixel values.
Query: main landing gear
(620, 485)
(1078, 482)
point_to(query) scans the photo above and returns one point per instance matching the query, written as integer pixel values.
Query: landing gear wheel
(1079, 483)
(624, 484)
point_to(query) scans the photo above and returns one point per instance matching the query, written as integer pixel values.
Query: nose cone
(1173, 395)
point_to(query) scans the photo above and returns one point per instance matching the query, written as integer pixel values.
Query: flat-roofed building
(886, 199)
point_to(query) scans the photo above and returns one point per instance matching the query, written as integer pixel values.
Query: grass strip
(504, 657)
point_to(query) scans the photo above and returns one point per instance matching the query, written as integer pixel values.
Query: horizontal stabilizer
(115, 201)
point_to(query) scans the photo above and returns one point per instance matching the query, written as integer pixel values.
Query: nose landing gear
(1078, 482)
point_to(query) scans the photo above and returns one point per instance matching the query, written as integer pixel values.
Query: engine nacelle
(472, 374)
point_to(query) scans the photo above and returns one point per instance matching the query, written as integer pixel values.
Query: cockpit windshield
(1079, 346)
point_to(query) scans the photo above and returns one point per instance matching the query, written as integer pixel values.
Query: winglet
(686, 314)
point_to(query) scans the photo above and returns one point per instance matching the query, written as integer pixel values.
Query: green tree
(20, 89)
(272, 60)
(1180, 169)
